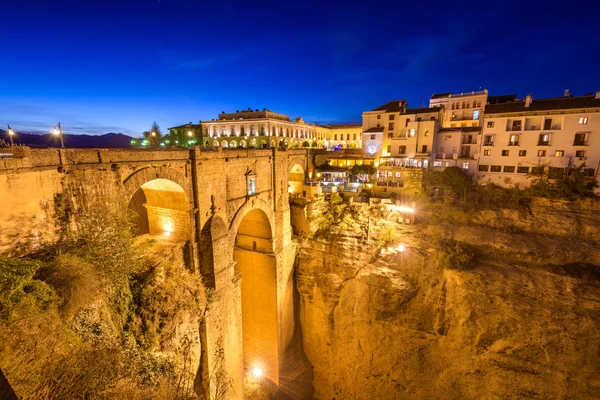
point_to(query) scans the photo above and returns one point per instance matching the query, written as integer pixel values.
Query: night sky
(115, 66)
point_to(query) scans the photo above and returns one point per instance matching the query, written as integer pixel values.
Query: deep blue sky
(102, 66)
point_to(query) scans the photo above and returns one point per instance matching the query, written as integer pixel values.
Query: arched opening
(296, 179)
(255, 261)
(232, 144)
(160, 208)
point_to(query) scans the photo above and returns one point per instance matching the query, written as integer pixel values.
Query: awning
(377, 129)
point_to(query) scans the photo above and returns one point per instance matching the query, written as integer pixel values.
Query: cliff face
(524, 322)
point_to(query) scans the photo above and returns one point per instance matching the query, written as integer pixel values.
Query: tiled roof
(461, 129)
(392, 106)
(375, 129)
(440, 95)
(422, 110)
(558, 103)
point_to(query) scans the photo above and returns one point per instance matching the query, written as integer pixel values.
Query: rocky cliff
(523, 322)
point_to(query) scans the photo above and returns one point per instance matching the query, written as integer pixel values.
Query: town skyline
(116, 69)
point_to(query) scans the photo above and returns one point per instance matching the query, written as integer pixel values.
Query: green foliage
(571, 185)
(387, 235)
(19, 288)
(363, 169)
(103, 236)
(337, 216)
(455, 256)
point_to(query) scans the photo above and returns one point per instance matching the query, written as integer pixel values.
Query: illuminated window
(522, 153)
(412, 132)
(402, 150)
(504, 153)
(541, 153)
(580, 153)
(476, 114)
(559, 153)
(465, 165)
(487, 152)
(391, 117)
(391, 126)
(583, 121)
(378, 116)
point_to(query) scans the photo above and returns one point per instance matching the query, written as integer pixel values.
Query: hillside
(109, 140)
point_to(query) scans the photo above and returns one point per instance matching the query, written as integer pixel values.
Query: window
(541, 153)
(476, 114)
(233, 131)
(465, 165)
(580, 153)
(448, 137)
(419, 119)
(487, 152)
(389, 148)
(251, 185)
(504, 153)
(432, 118)
(390, 134)
(442, 149)
(548, 123)
(522, 170)
(348, 136)
(488, 140)
(407, 121)
(583, 121)
(372, 137)
(412, 132)
(402, 150)
(559, 153)
(490, 124)
(426, 133)
(378, 116)
(335, 137)
(513, 140)
(516, 125)
(242, 130)
(397, 175)
(509, 168)
(544, 139)
(522, 153)
(496, 168)
(580, 139)
(391, 126)
(437, 164)
(354, 136)
(484, 168)
(424, 149)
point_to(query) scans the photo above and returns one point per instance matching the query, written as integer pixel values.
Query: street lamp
(58, 132)
(11, 133)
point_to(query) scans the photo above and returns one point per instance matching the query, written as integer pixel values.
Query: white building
(554, 133)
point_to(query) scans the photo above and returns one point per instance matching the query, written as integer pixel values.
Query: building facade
(554, 134)
(265, 129)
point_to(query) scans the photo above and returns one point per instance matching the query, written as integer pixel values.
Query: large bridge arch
(141, 176)
(255, 261)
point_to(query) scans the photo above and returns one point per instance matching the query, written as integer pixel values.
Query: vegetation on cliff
(100, 314)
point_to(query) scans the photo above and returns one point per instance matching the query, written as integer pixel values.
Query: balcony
(472, 141)
(515, 128)
(488, 144)
(513, 143)
(543, 143)
(580, 143)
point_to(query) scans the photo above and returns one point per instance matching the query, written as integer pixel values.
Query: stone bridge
(230, 207)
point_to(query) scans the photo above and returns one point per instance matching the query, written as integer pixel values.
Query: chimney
(598, 94)
(528, 100)
(567, 93)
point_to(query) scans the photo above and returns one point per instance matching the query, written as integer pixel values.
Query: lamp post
(58, 131)
(153, 138)
(11, 133)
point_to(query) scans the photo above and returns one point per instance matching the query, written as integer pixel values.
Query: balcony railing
(580, 143)
(472, 141)
(488, 144)
(543, 143)
(515, 128)
(513, 143)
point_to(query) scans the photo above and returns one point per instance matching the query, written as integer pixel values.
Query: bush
(455, 256)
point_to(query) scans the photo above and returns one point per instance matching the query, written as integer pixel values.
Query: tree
(153, 135)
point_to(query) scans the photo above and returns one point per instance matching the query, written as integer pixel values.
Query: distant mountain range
(108, 140)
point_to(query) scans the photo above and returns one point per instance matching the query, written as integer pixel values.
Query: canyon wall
(524, 322)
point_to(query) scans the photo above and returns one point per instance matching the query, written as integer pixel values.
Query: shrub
(455, 256)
